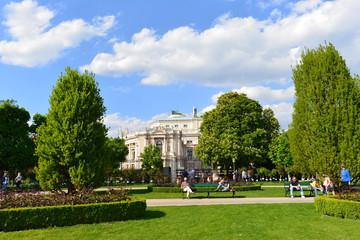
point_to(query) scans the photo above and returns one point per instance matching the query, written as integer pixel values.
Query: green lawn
(253, 221)
(265, 192)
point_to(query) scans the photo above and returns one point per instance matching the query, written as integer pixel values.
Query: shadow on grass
(153, 214)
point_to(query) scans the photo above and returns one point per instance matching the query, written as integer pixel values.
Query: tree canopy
(279, 150)
(237, 129)
(325, 131)
(151, 158)
(16, 147)
(119, 151)
(71, 146)
(38, 120)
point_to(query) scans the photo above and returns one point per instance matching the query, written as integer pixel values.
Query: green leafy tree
(325, 131)
(117, 154)
(119, 151)
(71, 146)
(38, 120)
(237, 129)
(16, 147)
(151, 158)
(279, 150)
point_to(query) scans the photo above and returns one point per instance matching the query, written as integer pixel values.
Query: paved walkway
(214, 201)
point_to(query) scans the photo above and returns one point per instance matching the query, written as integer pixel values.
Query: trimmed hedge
(330, 205)
(179, 190)
(24, 187)
(66, 215)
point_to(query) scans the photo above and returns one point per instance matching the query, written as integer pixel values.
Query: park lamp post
(233, 160)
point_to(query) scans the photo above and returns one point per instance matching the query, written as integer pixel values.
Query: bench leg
(208, 194)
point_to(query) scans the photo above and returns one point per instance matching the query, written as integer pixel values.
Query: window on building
(133, 154)
(176, 126)
(189, 141)
(167, 125)
(189, 153)
(159, 145)
(185, 126)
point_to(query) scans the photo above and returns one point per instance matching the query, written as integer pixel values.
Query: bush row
(178, 189)
(330, 205)
(24, 187)
(41, 217)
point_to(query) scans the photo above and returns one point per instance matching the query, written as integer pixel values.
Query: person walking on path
(243, 176)
(345, 177)
(185, 174)
(5, 181)
(18, 181)
(294, 184)
(185, 186)
(236, 175)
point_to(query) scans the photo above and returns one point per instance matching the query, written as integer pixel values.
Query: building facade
(176, 136)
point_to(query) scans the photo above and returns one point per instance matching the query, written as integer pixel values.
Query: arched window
(159, 145)
(189, 153)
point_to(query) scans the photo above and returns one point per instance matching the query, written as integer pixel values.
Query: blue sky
(151, 57)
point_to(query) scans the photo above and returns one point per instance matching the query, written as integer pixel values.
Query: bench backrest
(287, 184)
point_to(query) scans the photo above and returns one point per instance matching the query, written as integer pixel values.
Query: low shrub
(351, 196)
(332, 206)
(25, 187)
(41, 217)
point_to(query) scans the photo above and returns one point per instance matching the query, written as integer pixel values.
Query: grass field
(258, 221)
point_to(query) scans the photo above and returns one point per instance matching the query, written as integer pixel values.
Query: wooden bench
(208, 188)
(306, 186)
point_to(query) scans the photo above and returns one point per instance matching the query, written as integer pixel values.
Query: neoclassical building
(176, 136)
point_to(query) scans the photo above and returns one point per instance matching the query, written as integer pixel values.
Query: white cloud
(115, 121)
(270, 3)
(35, 41)
(262, 94)
(208, 108)
(283, 113)
(122, 89)
(235, 51)
(307, 5)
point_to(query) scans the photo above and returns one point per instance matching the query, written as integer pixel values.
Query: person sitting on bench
(329, 186)
(225, 184)
(316, 185)
(185, 186)
(294, 184)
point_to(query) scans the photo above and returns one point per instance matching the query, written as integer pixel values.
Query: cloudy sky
(154, 56)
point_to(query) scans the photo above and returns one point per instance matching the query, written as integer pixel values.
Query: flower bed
(38, 199)
(66, 215)
(331, 205)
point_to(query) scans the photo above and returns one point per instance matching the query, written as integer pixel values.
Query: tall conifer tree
(71, 146)
(325, 131)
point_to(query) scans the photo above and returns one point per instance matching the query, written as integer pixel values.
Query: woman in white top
(186, 188)
(329, 186)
